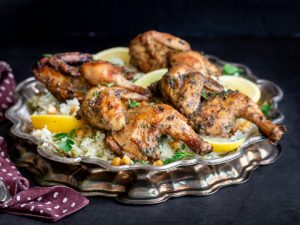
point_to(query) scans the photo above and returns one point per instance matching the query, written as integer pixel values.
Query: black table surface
(271, 196)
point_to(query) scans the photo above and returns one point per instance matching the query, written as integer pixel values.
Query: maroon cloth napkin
(51, 203)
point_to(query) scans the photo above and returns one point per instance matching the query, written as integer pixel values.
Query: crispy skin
(150, 50)
(197, 61)
(103, 107)
(97, 72)
(146, 123)
(64, 62)
(182, 85)
(183, 89)
(218, 115)
(60, 85)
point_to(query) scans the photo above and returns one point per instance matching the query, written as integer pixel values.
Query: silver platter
(140, 184)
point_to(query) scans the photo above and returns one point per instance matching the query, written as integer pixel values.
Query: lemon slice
(56, 123)
(223, 145)
(243, 85)
(151, 77)
(114, 55)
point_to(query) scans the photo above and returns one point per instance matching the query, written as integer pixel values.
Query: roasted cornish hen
(72, 74)
(216, 115)
(146, 123)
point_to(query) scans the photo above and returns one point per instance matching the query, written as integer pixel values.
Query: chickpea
(116, 161)
(158, 163)
(175, 144)
(80, 132)
(126, 160)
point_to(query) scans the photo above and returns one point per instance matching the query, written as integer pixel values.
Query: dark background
(261, 34)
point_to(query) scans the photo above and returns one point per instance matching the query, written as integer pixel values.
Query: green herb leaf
(265, 108)
(65, 146)
(60, 136)
(182, 147)
(179, 156)
(229, 69)
(140, 161)
(203, 94)
(110, 84)
(133, 103)
(47, 55)
(72, 134)
(66, 140)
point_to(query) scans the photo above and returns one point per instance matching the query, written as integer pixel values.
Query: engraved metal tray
(140, 184)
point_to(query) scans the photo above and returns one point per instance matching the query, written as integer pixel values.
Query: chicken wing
(62, 86)
(145, 124)
(105, 107)
(67, 62)
(97, 72)
(183, 86)
(150, 50)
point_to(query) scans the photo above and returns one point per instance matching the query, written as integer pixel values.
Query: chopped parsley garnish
(179, 156)
(65, 140)
(47, 55)
(132, 103)
(110, 84)
(140, 161)
(229, 69)
(96, 93)
(182, 147)
(204, 94)
(265, 108)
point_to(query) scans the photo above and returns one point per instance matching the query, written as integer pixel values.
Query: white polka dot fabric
(50, 203)
(7, 85)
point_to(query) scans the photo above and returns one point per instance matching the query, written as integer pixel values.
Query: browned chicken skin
(62, 86)
(195, 60)
(97, 72)
(150, 50)
(64, 62)
(146, 123)
(182, 85)
(104, 107)
(72, 74)
(217, 115)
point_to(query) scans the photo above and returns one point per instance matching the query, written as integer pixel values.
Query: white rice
(91, 145)
(70, 107)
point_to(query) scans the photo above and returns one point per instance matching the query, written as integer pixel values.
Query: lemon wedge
(114, 55)
(223, 145)
(242, 85)
(151, 77)
(56, 123)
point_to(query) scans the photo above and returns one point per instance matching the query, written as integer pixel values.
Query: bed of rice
(91, 144)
